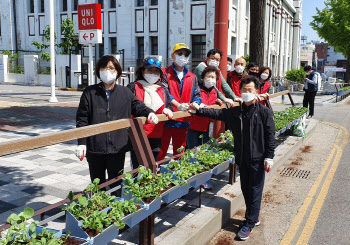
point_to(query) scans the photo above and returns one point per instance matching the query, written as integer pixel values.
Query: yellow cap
(179, 46)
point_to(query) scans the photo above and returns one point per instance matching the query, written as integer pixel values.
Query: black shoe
(309, 116)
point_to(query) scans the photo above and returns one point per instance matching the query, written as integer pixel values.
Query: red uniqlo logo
(89, 17)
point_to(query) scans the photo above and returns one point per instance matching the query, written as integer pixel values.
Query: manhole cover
(302, 174)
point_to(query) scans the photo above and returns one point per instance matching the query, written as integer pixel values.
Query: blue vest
(312, 87)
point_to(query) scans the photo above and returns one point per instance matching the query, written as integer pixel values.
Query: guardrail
(339, 93)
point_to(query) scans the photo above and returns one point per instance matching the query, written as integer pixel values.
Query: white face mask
(151, 78)
(108, 77)
(214, 63)
(239, 69)
(264, 76)
(229, 68)
(247, 97)
(181, 60)
(209, 82)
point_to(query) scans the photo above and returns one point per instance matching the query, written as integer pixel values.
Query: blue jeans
(193, 139)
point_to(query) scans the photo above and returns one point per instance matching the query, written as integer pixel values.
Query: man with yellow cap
(184, 94)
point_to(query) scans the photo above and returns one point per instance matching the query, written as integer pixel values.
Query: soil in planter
(148, 200)
(138, 208)
(169, 187)
(91, 232)
(72, 241)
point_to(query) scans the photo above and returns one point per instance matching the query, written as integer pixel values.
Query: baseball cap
(179, 46)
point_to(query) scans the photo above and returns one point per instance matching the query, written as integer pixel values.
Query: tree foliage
(296, 75)
(333, 24)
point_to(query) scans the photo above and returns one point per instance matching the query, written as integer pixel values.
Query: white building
(308, 55)
(333, 56)
(142, 27)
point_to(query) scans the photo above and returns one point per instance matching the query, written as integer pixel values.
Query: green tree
(296, 75)
(257, 31)
(333, 24)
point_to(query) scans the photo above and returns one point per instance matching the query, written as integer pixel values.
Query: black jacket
(262, 130)
(94, 108)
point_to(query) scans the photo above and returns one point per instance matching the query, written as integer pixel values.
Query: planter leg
(143, 232)
(200, 197)
(151, 229)
(232, 174)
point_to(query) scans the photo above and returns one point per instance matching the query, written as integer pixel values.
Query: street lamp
(52, 53)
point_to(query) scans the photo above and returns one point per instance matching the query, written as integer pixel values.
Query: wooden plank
(279, 94)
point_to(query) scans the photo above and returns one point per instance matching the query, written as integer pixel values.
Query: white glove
(152, 118)
(183, 107)
(239, 100)
(268, 163)
(229, 102)
(194, 106)
(168, 113)
(202, 105)
(80, 152)
(264, 96)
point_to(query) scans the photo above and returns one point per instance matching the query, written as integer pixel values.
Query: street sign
(89, 17)
(90, 36)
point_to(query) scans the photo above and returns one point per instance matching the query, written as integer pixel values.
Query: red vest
(235, 83)
(263, 90)
(152, 131)
(188, 85)
(202, 123)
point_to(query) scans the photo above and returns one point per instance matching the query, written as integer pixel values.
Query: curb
(208, 221)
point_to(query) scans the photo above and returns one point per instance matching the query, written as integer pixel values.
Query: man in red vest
(184, 91)
(236, 76)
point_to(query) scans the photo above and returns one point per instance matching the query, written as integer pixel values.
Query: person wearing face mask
(253, 69)
(102, 103)
(253, 129)
(184, 93)
(229, 64)
(264, 84)
(149, 90)
(310, 87)
(235, 77)
(225, 92)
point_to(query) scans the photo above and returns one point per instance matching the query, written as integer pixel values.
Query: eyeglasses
(112, 69)
(183, 53)
(151, 62)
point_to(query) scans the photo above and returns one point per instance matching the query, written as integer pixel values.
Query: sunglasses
(183, 53)
(152, 61)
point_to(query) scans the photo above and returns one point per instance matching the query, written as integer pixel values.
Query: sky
(309, 10)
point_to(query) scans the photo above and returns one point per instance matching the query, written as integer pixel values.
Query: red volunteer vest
(235, 82)
(152, 131)
(263, 90)
(202, 123)
(188, 85)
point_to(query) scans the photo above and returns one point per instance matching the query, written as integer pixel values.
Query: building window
(113, 4)
(198, 47)
(113, 45)
(42, 6)
(235, 2)
(245, 49)
(75, 5)
(101, 2)
(101, 50)
(64, 5)
(140, 3)
(31, 6)
(154, 45)
(154, 2)
(233, 45)
(247, 8)
(140, 48)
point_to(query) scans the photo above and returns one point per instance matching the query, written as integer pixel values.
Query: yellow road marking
(315, 212)
(294, 227)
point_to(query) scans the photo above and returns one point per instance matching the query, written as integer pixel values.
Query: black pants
(155, 146)
(99, 163)
(252, 175)
(309, 101)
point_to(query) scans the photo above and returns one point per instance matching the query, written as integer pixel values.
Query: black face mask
(255, 74)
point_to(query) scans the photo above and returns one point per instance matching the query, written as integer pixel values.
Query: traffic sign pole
(52, 53)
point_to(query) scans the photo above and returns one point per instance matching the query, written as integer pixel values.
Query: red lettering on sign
(92, 35)
(89, 17)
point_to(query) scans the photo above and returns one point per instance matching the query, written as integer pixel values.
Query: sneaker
(244, 223)
(258, 223)
(244, 233)
(207, 185)
(309, 116)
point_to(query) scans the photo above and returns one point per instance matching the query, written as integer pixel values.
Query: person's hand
(202, 105)
(305, 78)
(229, 102)
(265, 96)
(168, 113)
(80, 152)
(239, 100)
(152, 118)
(219, 102)
(183, 107)
(194, 107)
(268, 163)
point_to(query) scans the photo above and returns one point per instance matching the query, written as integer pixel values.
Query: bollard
(283, 97)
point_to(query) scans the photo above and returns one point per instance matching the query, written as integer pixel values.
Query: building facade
(153, 27)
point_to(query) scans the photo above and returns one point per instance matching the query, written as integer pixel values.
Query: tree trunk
(347, 73)
(257, 31)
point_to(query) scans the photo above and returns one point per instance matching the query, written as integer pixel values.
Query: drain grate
(302, 174)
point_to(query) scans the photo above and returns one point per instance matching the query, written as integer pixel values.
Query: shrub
(296, 75)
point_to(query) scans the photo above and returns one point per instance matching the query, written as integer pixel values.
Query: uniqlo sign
(89, 17)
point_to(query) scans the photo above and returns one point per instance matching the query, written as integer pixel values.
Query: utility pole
(52, 53)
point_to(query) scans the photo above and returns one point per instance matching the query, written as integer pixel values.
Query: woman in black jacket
(101, 103)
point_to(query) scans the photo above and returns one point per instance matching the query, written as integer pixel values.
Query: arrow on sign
(85, 36)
